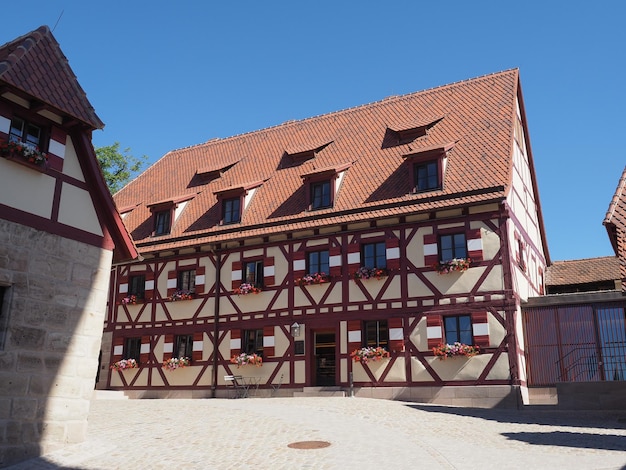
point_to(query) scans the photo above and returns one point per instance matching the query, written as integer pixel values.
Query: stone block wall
(55, 292)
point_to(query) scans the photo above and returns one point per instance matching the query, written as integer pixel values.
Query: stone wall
(56, 290)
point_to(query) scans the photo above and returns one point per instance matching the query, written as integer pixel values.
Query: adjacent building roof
(615, 223)
(34, 65)
(477, 115)
(583, 271)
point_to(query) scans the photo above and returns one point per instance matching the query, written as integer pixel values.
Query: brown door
(324, 359)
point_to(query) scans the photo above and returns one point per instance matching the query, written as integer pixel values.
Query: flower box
(247, 288)
(124, 364)
(370, 273)
(130, 300)
(23, 153)
(444, 351)
(176, 363)
(456, 264)
(181, 295)
(244, 359)
(367, 354)
(317, 278)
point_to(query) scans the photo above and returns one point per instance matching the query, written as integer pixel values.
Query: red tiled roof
(479, 116)
(34, 64)
(583, 271)
(615, 223)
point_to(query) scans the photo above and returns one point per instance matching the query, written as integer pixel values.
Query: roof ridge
(621, 184)
(584, 259)
(351, 109)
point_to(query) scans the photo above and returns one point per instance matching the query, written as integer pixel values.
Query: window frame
(378, 328)
(427, 165)
(42, 141)
(252, 341)
(162, 222)
(454, 246)
(137, 285)
(189, 284)
(186, 343)
(229, 201)
(376, 257)
(462, 335)
(132, 348)
(319, 263)
(257, 273)
(325, 199)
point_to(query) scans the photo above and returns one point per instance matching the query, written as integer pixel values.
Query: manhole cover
(309, 445)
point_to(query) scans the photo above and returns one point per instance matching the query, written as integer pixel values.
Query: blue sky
(165, 75)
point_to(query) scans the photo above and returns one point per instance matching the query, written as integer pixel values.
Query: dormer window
(427, 167)
(298, 154)
(405, 132)
(322, 186)
(231, 210)
(426, 176)
(162, 222)
(165, 213)
(320, 195)
(234, 200)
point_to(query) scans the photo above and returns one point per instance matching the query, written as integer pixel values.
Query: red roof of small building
(35, 65)
(477, 114)
(583, 271)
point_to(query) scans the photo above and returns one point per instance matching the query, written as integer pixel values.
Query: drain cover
(309, 445)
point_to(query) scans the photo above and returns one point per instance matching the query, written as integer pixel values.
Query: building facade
(345, 250)
(58, 228)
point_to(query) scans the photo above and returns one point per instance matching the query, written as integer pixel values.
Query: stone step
(320, 392)
(109, 395)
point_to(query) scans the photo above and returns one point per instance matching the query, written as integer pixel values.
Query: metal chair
(238, 385)
(276, 387)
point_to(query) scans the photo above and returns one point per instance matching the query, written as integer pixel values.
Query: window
(26, 133)
(320, 194)
(427, 176)
(253, 272)
(458, 329)
(374, 255)
(132, 348)
(318, 262)
(186, 280)
(183, 346)
(232, 212)
(521, 260)
(252, 342)
(137, 286)
(4, 314)
(162, 225)
(452, 246)
(376, 334)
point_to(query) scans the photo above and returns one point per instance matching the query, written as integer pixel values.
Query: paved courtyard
(337, 433)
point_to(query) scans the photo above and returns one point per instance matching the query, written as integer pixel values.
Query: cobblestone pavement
(255, 433)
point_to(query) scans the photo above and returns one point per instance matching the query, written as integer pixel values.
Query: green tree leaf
(118, 166)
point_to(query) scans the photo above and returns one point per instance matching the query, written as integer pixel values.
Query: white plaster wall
(26, 189)
(76, 209)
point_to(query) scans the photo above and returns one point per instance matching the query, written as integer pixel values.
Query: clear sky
(169, 74)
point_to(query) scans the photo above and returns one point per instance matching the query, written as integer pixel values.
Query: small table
(252, 383)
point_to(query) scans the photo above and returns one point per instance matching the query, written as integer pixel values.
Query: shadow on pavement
(570, 439)
(573, 418)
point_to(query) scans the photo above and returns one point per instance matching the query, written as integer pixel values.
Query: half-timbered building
(58, 229)
(348, 251)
